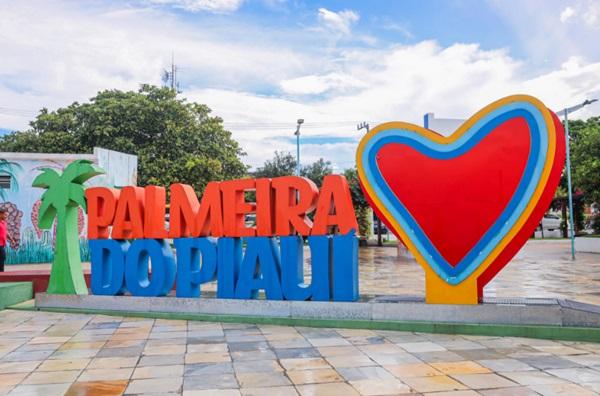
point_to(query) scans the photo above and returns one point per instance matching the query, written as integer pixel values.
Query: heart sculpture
(465, 204)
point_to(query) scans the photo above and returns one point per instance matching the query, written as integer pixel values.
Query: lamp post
(565, 113)
(297, 133)
(365, 125)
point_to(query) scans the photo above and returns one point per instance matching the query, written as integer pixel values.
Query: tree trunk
(67, 274)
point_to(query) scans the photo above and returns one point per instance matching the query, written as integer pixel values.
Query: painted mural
(27, 242)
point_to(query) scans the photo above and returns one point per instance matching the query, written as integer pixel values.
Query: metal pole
(570, 188)
(298, 152)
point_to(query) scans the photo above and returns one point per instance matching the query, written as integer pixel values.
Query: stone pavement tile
(253, 380)
(292, 353)
(397, 358)
(51, 377)
(549, 362)
(505, 365)
(578, 375)
(479, 354)
(247, 346)
(168, 334)
(350, 361)
(380, 387)
(381, 349)
(41, 390)
(328, 341)
(595, 386)
(82, 345)
(257, 366)
(441, 356)
(513, 391)
(364, 373)
(61, 365)
(560, 350)
(436, 383)
(5, 389)
(412, 370)
(300, 377)
(27, 356)
(74, 354)
(150, 350)
(532, 377)
(590, 360)
(12, 379)
(214, 392)
(210, 357)
(49, 340)
(271, 391)
(207, 368)
(483, 381)
(155, 385)
(116, 362)
(426, 346)
(262, 354)
(124, 343)
(295, 343)
(332, 389)
(99, 388)
(38, 347)
(158, 372)
(217, 381)
(466, 367)
(18, 367)
(562, 389)
(161, 360)
(166, 341)
(121, 352)
(193, 348)
(90, 375)
(339, 351)
(459, 344)
(304, 364)
(454, 393)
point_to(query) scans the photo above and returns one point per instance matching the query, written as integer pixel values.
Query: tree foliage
(175, 141)
(284, 164)
(585, 157)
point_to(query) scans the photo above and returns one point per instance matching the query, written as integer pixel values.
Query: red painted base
(39, 278)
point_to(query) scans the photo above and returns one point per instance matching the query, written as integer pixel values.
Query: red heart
(455, 201)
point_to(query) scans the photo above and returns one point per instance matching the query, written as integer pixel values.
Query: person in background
(3, 216)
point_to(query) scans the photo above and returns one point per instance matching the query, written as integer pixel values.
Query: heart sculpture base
(440, 292)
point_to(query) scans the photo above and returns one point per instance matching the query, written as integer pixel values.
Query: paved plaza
(53, 354)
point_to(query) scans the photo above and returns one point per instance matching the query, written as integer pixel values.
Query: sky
(262, 64)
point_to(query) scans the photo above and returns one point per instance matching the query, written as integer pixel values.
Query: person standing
(3, 216)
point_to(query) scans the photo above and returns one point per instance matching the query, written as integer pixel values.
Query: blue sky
(261, 64)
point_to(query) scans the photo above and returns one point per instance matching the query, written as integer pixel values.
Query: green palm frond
(48, 177)
(46, 214)
(77, 195)
(81, 171)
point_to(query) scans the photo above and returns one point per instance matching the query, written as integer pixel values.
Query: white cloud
(339, 22)
(315, 84)
(202, 5)
(54, 54)
(567, 14)
(591, 15)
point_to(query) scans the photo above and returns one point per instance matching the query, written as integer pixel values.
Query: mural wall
(27, 243)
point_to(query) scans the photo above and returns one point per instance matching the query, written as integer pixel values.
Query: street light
(565, 113)
(297, 133)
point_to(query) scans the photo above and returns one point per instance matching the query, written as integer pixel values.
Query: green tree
(175, 141)
(284, 164)
(361, 206)
(585, 157)
(63, 196)
(317, 171)
(9, 169)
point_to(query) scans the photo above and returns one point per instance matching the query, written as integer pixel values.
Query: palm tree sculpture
(64, 194)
